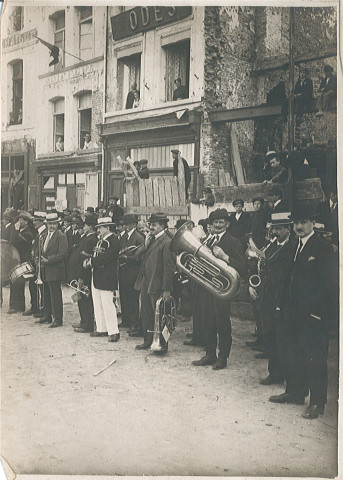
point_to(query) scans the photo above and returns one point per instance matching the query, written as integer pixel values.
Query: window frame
(61, 63)
(80, 112)
(55, 117)
(82, 21)
(165, 47)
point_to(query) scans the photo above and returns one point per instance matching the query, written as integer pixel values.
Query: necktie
(47, 240)
(300, 247)
(217, 239)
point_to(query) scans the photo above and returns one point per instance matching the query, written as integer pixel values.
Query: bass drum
(10, 258)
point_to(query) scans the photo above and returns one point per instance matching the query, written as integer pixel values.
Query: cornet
(84, 290)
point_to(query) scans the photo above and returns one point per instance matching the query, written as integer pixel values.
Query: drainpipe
(103, 111)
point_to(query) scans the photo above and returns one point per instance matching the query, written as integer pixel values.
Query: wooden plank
(135, 187)
(182, 210)
(161, 191)
(129, 192)
(245, 113)
(181, 182)
(168, 190)
(142, 192)
(156, 197)
(149, 194)
(237, 163)
(282, 63)
(175, 191)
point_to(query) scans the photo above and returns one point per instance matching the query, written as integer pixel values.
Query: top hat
(218, 214)
(104, 222)
(238, 200)
(51, 218)
(130, 218)
(282, 218)
(303, 212)
(158, 217)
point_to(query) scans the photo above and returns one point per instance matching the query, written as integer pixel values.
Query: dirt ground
(150, 415)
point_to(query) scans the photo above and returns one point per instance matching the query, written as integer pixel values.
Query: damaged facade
(227, 58)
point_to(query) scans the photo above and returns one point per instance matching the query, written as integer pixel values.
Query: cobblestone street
(150, 415)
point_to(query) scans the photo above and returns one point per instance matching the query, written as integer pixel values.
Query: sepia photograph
(170, 266)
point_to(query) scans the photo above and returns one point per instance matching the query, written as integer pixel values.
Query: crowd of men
(105, 250)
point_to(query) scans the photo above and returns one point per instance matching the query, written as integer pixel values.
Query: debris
(23, 334)
(111, 363)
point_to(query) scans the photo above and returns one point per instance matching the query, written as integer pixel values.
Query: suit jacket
(274, 276)
(158, 267)
(105, 265)
(239, 228)
(38, 243)
(304, 88)
(87, 244)
(69, 235)
(129, 271)
(258, 227)
(311, 280)
(56, 255)
(330, 85)
(22, 240)
(233, 247)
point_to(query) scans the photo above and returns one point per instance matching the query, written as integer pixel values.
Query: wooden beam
(176, 210)
(245, 113)
(282, 63)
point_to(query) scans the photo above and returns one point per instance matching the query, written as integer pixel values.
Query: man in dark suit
(278, 205)
(240, 222)
(305, 313)
(21, 238)
(273, 270)
(129, 264)
(327, 90)
(229, 249)
(303, 91)
(84, 276)
(104, 280)
(259, 220)
(113, 210)
(155, 276)
(53, 258)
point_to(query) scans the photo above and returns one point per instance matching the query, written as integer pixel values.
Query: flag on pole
(54, 51)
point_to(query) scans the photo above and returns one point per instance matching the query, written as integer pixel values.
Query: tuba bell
(199, 264)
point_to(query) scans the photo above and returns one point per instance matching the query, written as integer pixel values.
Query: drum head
(10, 258)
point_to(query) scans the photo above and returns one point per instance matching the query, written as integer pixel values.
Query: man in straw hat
(104, 280)
(155, 276)
(54, 254)
(306, 315)
(268, 294)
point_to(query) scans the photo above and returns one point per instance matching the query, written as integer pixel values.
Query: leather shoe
(220, 364)
(261, 355)
(38, 315)
(81, 330)
(136, 333)
(270, 380)
(29, 312)
(76, 325)
(143, 346)
(11, 310)
(44, 320)
(55, 325)
(286, 398)
(98, 334)
(206, 360)
(313, 411)
(114, 338)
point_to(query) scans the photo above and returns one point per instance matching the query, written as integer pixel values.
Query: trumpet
(101, 247)
(198, 262)
(165, 322)
(128, 250)
(84, 290)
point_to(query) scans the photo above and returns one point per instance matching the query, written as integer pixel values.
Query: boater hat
(281, 218)
(39, 215)
(51, 218)
(104, 222)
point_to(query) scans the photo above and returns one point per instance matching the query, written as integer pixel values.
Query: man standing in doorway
(180, 163)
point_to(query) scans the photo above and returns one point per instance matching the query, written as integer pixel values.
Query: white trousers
(104, 311)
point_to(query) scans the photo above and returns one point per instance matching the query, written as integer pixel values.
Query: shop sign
(140, 19)
(19, 38)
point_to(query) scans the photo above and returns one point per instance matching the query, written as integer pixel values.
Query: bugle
(199, 264)
(84, 290)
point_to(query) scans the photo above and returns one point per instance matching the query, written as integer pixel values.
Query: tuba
(199, 264)
(165, 323)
